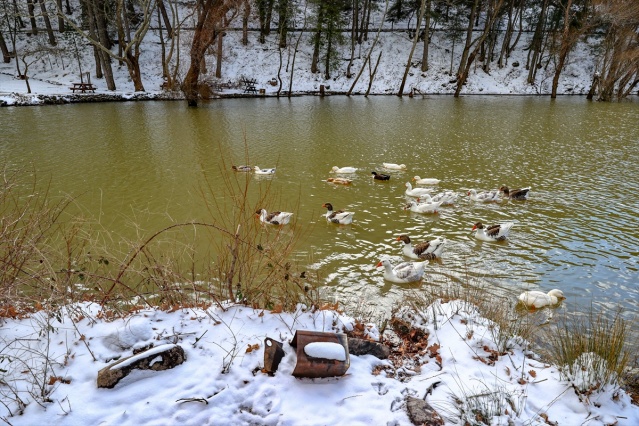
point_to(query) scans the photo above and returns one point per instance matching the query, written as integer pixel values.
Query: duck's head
(557, 293)
(504, 189)
(477, 226)
(404, 238)
(327, 206)
(382, 262)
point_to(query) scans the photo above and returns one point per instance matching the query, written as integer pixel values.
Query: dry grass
(590, 350)
(49, 259)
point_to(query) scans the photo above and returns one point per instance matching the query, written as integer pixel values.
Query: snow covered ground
(55, 73)
(457, 370)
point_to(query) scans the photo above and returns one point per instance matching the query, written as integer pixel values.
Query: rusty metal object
(273, 354)
(312, 367)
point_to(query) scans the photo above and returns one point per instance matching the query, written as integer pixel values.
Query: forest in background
(486, 32)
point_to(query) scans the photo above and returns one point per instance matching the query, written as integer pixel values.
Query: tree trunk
(317, 39)
(426, 37)
(211, 13)
(165, 18)
(564, 48)
(95, 12)
(491, 18)
(469, 39)
(422, 11)
(218, 56)
(60, 18)
(6, 55)
(507, 36)
(47, 23)
(282, 26)
(245, 18)
(31, 9)
(536, 44)
(329, 49)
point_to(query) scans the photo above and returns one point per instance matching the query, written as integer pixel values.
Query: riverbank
(51, 80)
(449, 359)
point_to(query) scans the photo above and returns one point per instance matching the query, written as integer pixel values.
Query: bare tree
(619, 73)
(211, 13)
(575, 25)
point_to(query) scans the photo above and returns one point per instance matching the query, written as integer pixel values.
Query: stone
(159, 358)
(367, 347)
(422, 413)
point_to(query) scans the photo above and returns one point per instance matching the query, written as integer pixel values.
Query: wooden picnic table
(83, 87)
(249, 85)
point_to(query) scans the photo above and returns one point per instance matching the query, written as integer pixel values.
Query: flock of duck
(421, 201)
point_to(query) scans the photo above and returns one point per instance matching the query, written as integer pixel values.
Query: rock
(420, 412)
(367, 347)
(159, 358)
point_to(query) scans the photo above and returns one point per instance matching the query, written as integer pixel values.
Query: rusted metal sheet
(308, 366)
(273, 354)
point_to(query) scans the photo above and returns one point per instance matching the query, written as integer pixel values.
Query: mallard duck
(484, 196)
(404, 272)
(418, 207)
(538, 299)
(242, 168)
(339, 216)
(274, 218)
(514, 194)
(415, 192)
(380, 176)
(426, 250)
(339, 181)
(426, 181)
(259, 171)
(393, 166)
(447, 198)
(497, 232)
(336, 169)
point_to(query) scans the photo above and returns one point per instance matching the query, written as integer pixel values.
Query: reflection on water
(578, 231)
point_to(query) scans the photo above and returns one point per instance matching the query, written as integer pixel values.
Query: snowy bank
(455, 364)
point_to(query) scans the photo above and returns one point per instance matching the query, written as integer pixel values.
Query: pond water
(146, 161)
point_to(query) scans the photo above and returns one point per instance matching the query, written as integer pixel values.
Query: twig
(193, 400)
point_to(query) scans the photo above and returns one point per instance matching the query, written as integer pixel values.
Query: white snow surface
(326, 350)
(54, 74)
(221, 383)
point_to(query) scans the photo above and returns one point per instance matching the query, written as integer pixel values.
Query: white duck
(447, 198)
(336, 169)
(425, 181)
(274, 218)
(497, 232)
(415, 192)
(339, 216)
(484, 196)
(427, 250)
(259, 171)
(417, 207)
(538, 299)
(393, 166)
(404, 272)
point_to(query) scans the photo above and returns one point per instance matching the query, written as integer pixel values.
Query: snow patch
(326, 350)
